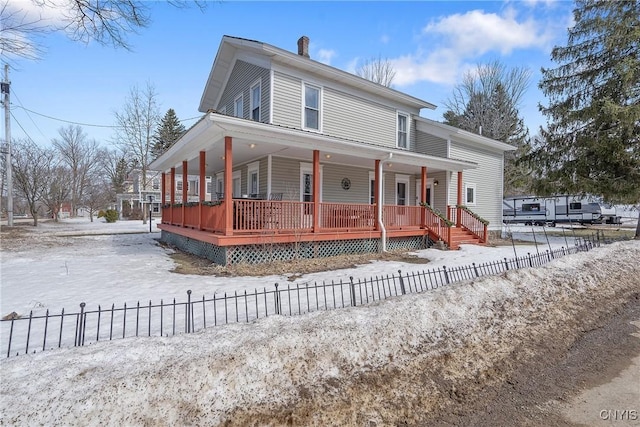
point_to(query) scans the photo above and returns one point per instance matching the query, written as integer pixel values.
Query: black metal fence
(22, 335)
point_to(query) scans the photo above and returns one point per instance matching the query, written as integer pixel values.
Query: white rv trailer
(532, 210)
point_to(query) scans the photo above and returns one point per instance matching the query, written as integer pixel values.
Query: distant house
(135, 196)
(295, 158)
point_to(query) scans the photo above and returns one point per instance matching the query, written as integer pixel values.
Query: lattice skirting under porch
(264, 253)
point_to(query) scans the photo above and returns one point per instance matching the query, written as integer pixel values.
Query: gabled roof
(450, 132)
(230, 46)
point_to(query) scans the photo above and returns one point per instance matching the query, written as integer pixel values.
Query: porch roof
(254, 140)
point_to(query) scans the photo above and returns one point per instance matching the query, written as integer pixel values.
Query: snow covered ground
(101, 264)
(217, 374)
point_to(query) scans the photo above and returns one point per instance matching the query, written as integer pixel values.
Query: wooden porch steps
(461, 236)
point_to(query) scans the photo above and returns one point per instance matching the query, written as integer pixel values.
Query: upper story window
(156, 184)
(255, 102)
(238, 106)
(311, 107)
(403, 131)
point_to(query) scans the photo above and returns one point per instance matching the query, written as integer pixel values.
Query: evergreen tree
(486, 102)
(592, 141)
(168, 132)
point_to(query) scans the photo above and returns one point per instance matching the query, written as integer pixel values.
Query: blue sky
(430, 43)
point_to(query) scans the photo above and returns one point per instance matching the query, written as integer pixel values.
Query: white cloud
(325, 55)
(45, 13)
(455, 40)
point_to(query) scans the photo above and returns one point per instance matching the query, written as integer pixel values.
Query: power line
(28, 115)
(85, 124)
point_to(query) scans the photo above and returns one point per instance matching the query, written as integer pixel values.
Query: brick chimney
(303, 46)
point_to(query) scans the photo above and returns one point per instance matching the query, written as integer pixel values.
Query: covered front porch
(381, 210)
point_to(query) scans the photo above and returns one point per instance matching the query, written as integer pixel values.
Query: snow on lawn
(272, 364)
(102, 264)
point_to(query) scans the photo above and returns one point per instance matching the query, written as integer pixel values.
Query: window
(156, 184)
(253, 183)
(403, 130)
(209, 185)
(402, 193)
(530, 207)
(575, 205)
(255, 102)
(470, 194)
(236, 183)
(179, 185)
(237, 106)
(311, 107)
(194, 188)
(402, 190)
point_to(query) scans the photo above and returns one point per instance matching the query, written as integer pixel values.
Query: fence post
(446, 274)
(353, 291)
(475, 269)
(80, 325)
(530, 262)
(401, 283)
(549, 255)
(189, 311)
(506, 263)
(277, 299)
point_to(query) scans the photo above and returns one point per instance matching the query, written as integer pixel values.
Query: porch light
(221, 157)
(435, 182)
(252, 145)
(328, 156)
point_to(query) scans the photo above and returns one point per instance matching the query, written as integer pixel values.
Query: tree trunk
(638, 225)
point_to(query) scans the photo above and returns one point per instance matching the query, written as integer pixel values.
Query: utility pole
(7, 132)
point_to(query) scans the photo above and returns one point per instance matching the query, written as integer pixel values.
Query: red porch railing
(261, 215)
(469, 220)
(258, 216)
(349, 216)
(437, 226)
(397, 217)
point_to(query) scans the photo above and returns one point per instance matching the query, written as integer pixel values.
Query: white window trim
(406, 180)
(304, 106)
(251, 168)
(408, 117)
(475, 194)
(235, 105)
(308, 168)
(257, 83)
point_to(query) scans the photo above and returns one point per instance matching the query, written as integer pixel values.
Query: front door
(429, 195)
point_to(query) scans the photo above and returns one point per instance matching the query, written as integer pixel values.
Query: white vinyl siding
(487, 178)
(343, 115)
(243, 76)
(430, 144)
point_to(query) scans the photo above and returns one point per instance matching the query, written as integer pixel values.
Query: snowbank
(384, 363)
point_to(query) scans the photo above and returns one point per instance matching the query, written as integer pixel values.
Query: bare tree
(378, 70)
(57, 190)
(108, 22)
(81, 156)
(31, 168)
(136, 123)
(488, 98)
(19, 33)
(99, 195)
(487, 102)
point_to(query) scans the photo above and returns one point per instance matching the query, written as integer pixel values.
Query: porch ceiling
(252, 141)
